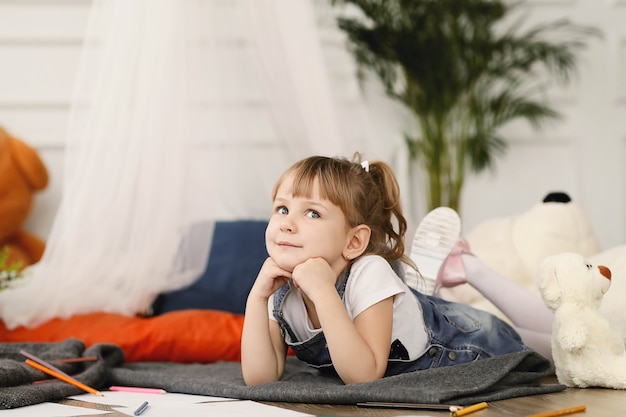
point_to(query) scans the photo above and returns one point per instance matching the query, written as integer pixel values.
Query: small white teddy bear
(587, 350)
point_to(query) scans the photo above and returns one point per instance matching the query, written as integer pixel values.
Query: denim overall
(457, 333)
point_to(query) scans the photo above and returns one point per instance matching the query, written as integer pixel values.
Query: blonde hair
(369, 196)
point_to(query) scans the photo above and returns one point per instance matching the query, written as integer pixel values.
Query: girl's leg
(530, 316)
(525, 309)
(539, 342)
(442, 264)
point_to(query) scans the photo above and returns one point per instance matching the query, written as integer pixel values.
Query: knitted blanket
(513, 375)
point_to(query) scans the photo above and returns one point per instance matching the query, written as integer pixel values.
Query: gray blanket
(498, 378)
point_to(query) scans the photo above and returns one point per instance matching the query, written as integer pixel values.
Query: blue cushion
(235, 258)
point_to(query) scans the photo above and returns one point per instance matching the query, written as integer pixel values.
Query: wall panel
(583, 154)
(40, 42)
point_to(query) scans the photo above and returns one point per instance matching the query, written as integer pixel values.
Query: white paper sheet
(133, 399)
(50, 409)
(159, 405)
(241, 408)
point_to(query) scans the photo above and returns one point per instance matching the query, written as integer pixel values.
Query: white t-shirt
(371, 280)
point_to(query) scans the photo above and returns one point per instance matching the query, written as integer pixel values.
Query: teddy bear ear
(548, 281)
(28, 163)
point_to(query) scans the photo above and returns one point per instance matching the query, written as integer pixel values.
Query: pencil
(138, 389)
(141, 409)
(77, 360)
(470, 409)
(564, 411)
(45, 381)
(43, 363)
(63, 378)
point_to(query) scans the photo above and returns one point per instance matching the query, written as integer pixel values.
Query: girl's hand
(358, 348)
(263, 349)
(314, 276)
(271, 277)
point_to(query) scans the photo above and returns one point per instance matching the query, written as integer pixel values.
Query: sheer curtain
(184, 111)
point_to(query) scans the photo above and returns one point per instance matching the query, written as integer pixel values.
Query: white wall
(40, 43)
(583, 154)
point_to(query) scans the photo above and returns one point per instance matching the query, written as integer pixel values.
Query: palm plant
(463, 73)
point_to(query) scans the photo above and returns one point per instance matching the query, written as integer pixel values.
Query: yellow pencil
(63, 378)
(470, 409)
(572, 410)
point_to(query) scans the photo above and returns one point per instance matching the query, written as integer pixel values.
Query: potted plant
(8, 272)
(464, 68)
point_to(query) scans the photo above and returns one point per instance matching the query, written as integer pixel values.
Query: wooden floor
(599, 402)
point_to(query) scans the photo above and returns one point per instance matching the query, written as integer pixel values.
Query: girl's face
(306, 227)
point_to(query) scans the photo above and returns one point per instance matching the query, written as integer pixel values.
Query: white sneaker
(434, 238)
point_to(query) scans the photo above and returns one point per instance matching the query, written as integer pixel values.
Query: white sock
(524, 308)
(539, 342)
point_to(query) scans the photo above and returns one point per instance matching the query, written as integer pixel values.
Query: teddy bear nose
(606, 272)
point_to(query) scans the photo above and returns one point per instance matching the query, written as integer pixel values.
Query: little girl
(331, 288)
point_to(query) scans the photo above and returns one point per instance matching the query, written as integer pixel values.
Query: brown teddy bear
(22, 173)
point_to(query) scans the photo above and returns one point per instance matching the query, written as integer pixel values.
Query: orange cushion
(184, 336)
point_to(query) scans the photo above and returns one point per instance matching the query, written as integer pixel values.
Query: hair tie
(366, 166)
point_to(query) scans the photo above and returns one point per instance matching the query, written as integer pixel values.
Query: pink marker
(138, 389)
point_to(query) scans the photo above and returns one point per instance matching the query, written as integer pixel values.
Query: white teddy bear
(587, 350)
(514, 246)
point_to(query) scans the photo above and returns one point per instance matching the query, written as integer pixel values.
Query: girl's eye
(313, 214)
(282, 210)
(589, 266)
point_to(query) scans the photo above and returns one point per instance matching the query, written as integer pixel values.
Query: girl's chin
(284, 264)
